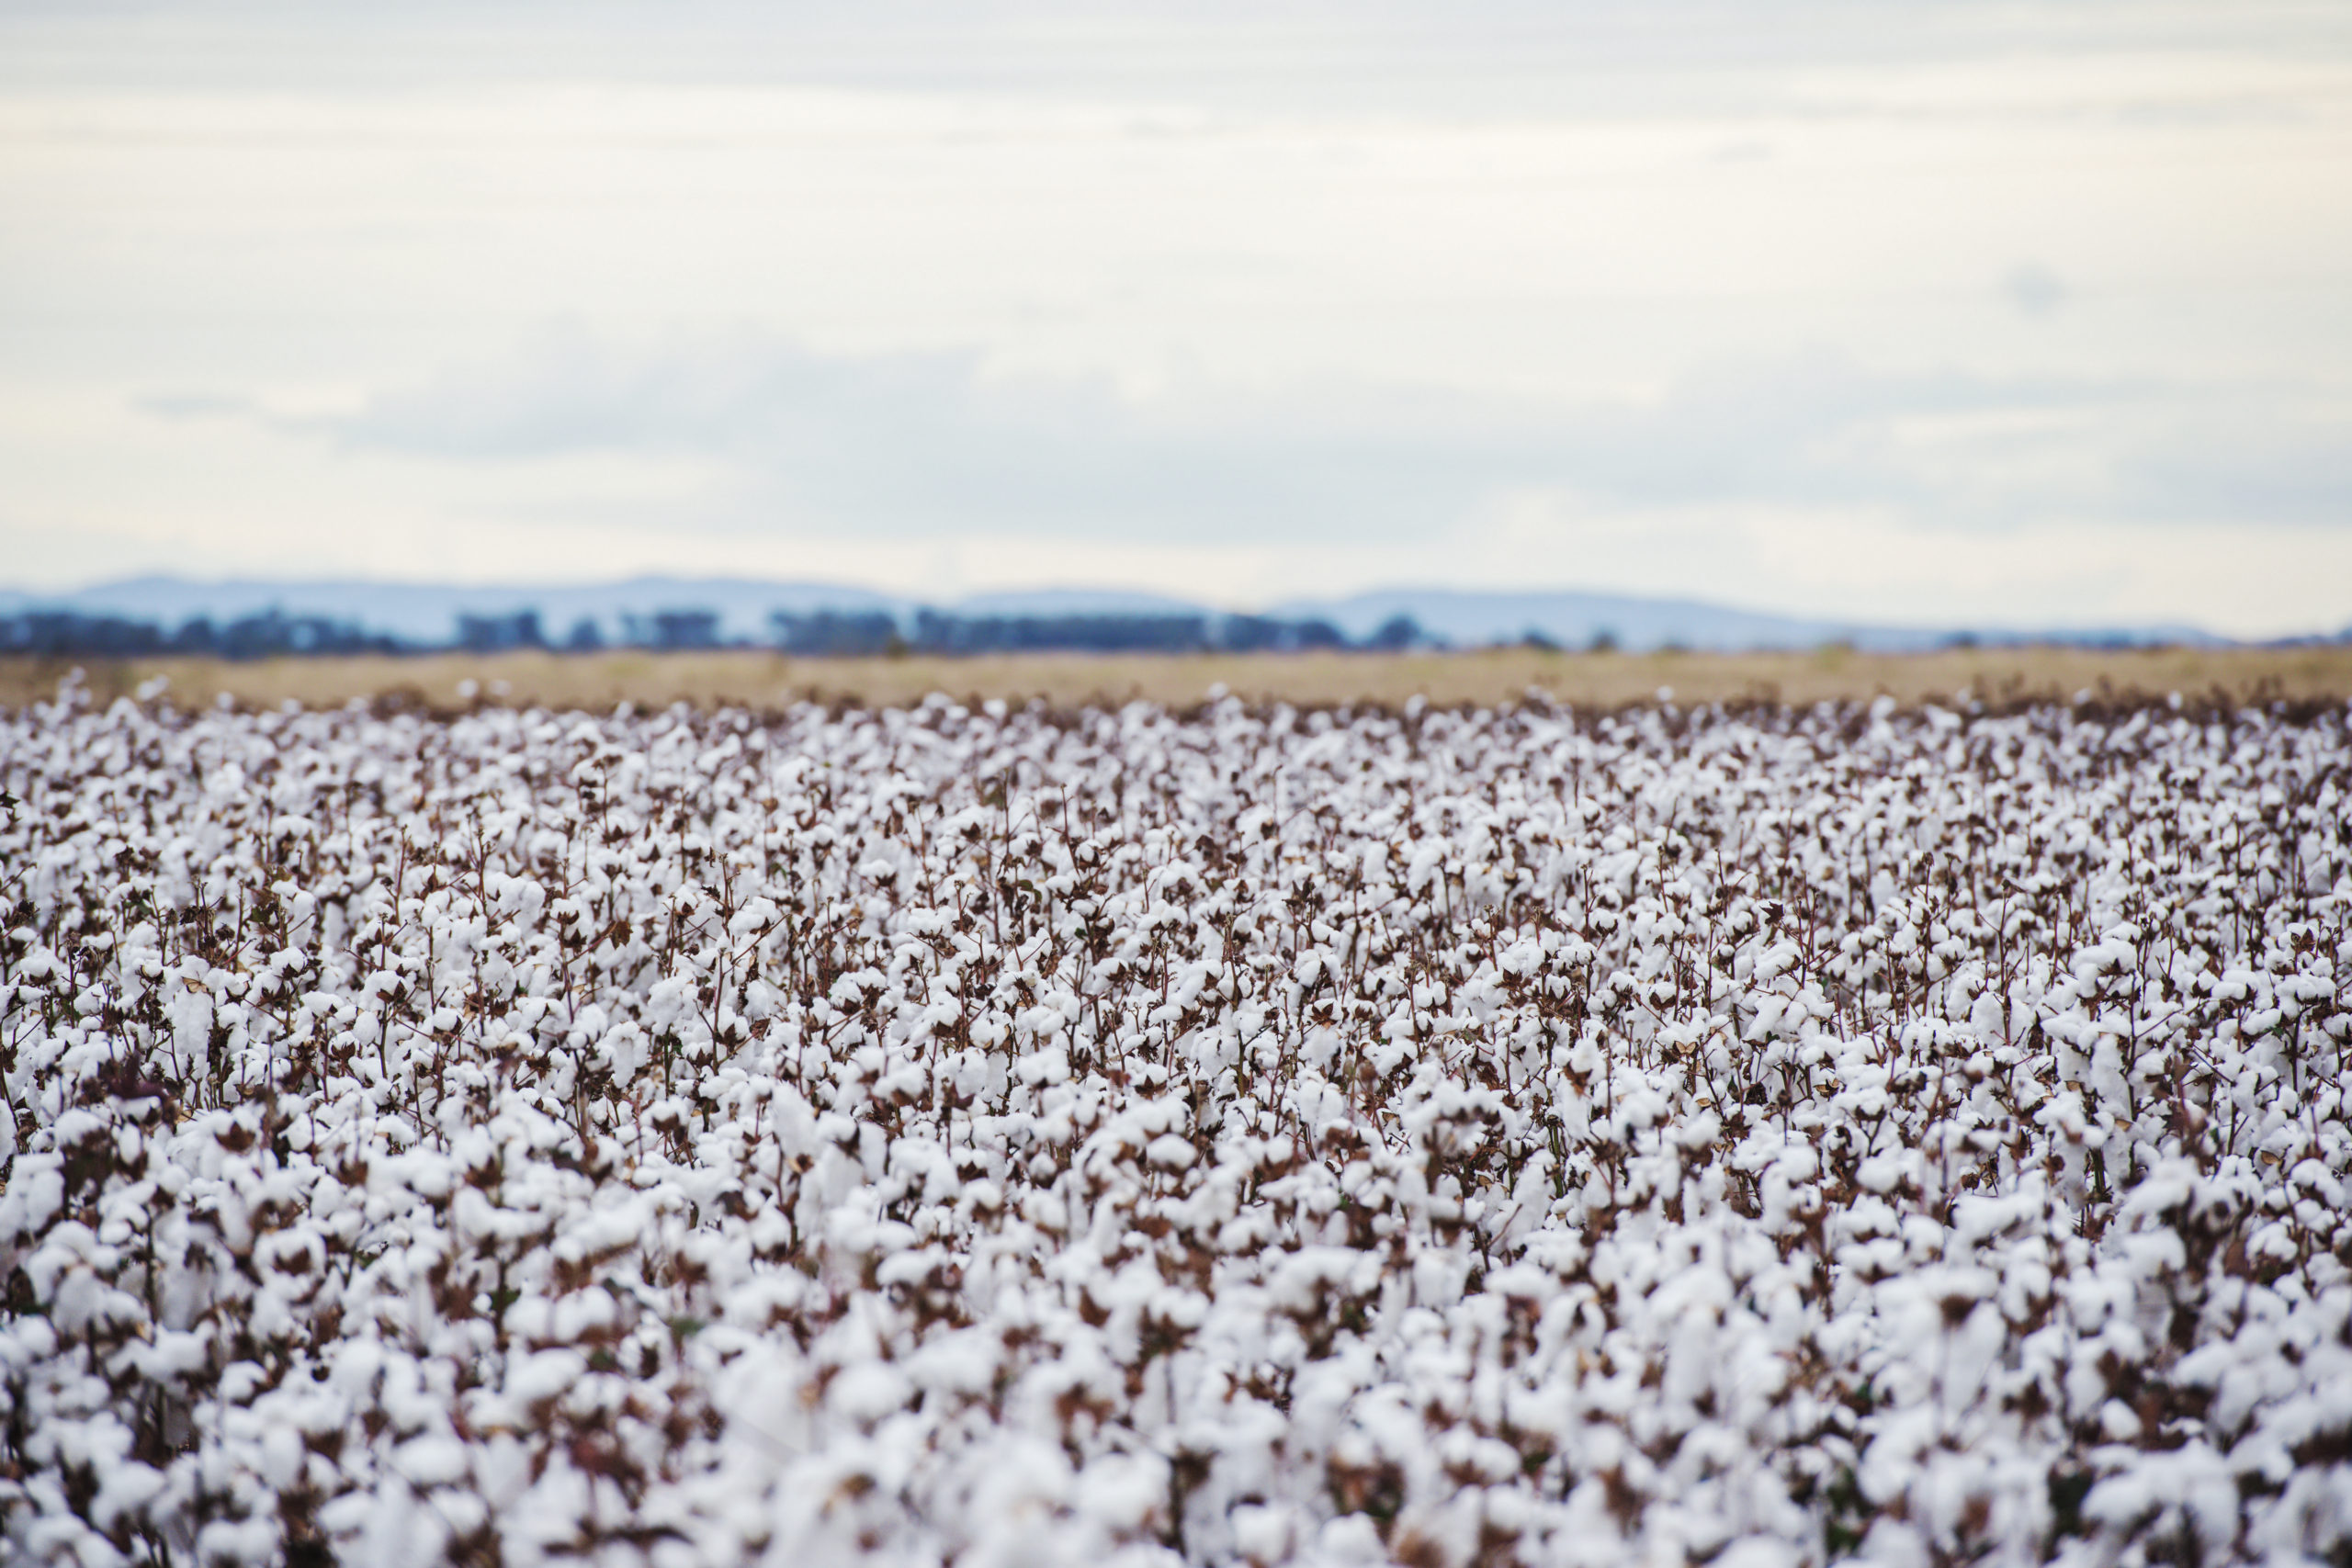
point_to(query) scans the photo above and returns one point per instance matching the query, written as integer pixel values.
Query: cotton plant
(1244, 1136)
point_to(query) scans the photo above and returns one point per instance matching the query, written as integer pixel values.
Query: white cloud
(918, 444)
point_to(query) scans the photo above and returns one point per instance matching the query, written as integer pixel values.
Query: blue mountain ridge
(428, 614)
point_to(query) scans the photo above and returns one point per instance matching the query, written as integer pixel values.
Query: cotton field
(1121, 1136)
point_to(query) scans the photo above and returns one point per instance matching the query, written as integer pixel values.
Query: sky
(1910, 310)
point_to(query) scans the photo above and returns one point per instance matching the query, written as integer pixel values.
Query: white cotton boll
(1439, 1279)
(544, 1375)
(1880, 1173)
(1894, 1544)
(1127, 1493)
(965, 1363)
(251, 1540)
(755, 916)
(1019, 1487)
(1891, 1459)
(669, 1001)
(1986, 1016)
(1347, 1541)
(411, 1535)
(869, 1391)
(1046, 1210)
(1172, 1153)
(355, 1366)
(1047, 1065)
(583, 1315)
(281, 1456)
(1262, 1533)
(125, 1486)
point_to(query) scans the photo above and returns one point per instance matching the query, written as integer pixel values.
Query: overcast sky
(1905, 311)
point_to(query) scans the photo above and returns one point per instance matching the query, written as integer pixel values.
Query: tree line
(272, 634)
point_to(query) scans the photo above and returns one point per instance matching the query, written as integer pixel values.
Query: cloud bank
(925, 443)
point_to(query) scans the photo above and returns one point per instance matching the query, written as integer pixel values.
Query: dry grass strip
(760, 678)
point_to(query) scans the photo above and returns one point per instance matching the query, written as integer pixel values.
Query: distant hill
(1076, 602)
(428, 614)
(1468, 618)
(821, 616)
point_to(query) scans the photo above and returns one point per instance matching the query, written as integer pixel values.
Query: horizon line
(1292, 603)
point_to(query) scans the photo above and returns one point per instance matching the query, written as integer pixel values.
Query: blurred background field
(760, 678)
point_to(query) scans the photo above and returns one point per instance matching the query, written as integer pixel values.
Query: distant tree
(1267, 634)
(58, 633)
(939, 632)
(256, 637)
(273, 634)
(1395, 635)
(1603, 641)
(1247, 633)
(500, 634)
(673, 631)
(269, 635)
(835, 633)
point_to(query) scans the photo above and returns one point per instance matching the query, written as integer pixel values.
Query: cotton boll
(1170, 1153)
(1261, 1534)
(867, 1392)
(1347, 1539)
(1758, 1552)
(1126, 1493)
